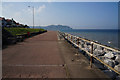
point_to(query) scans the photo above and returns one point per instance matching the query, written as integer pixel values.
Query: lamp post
(33, 15)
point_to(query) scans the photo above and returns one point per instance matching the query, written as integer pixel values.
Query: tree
(26, 26)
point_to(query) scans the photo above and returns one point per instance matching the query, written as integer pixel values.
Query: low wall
(18, 38)
(24, 36)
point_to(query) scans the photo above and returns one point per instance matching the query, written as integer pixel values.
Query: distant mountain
(56, 27)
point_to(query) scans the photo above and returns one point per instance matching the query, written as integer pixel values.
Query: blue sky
(78, 15)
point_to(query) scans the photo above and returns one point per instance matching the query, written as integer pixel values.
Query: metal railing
(108, 56)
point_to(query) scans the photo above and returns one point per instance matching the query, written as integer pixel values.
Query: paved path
(36, 57)
(43, 56)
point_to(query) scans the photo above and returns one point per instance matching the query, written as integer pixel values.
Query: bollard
(28, 33)
(91, 57)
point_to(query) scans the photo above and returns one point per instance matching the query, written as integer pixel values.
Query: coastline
(104, 54)
(108, 37)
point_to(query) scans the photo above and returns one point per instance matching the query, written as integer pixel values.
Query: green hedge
(20, 31)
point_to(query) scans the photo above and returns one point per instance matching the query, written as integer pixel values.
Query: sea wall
(105, 55)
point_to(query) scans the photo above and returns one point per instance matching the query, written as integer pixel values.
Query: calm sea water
(103, 36)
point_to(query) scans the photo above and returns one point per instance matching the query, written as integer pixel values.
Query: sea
(109, 37)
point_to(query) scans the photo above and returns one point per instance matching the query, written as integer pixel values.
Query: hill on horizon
(55, 27)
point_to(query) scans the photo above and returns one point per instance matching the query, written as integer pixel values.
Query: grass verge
(20, 31)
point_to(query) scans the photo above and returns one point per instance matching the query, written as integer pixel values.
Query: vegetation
(20, 31)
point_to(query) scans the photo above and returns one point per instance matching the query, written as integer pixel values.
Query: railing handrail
(107, 47)
(89, 53)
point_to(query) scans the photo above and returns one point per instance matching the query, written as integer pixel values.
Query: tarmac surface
(46, 56)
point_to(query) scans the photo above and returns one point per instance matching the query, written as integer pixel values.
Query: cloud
(18, 17)
(38, 10)
(28, 11)
(49, 0)
(16, 14)
(0, 9)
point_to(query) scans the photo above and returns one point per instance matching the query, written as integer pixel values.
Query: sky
(78, 15)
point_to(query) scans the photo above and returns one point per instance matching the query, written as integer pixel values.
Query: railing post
(67, 36)
(71, 37)
(91, 57)
(64, 35)
(78, 41)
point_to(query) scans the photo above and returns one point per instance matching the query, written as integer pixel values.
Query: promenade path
(46, 56)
